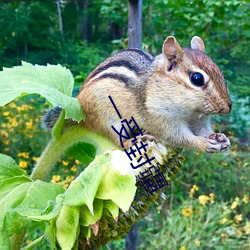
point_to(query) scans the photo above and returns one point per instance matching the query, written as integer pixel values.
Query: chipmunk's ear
(197, 43)
(171, 49)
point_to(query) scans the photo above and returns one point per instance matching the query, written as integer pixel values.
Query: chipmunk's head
(196, 76)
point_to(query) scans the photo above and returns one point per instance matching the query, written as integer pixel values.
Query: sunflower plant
(98, 205)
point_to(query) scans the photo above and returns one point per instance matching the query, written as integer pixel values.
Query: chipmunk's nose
(230, 106)
(227, 108)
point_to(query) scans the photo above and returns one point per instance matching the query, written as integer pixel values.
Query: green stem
(57, 147)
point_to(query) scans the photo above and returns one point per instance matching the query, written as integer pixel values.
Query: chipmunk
(170, 96)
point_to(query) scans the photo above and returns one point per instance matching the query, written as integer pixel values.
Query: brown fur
(158, 93)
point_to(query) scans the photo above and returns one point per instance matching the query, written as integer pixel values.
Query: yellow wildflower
(223, 235)
(24, 154)
(23, 107)
(6, 113)
(223, 220)
(211, 195)
(182, 248)
(203, 199)
(245, 199)
(23, 164)
(73, 168)
(29, 124)
(192, 190)
(197, 242)
(186, 211)
(65, 163)
(65, 185)
(70, 178)
(35, 159)
(238, 218)
(247, 227)
(4, 134)
(225, 164)
(12, 105)
(14, 123)
(6, 141)
(238, 233)
(234, 152)
(77, 162)
(55, 178)
(235, 203)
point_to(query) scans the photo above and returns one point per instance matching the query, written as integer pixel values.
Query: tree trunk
(135, 23)
(85, 20)
(59, 16)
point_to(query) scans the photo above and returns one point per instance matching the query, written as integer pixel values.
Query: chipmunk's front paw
(139, 138)
(217, 142)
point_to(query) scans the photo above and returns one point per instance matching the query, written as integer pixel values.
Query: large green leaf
(53, 82)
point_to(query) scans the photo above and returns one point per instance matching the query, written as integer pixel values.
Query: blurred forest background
(208, 204)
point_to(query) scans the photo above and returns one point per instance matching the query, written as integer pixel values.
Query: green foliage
(200, 223)
(223, 25)
(81, 58)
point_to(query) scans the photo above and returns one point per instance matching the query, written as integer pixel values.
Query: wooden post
(134, 23)
(59, 16)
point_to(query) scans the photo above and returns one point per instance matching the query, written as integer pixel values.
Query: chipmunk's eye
(197, 79)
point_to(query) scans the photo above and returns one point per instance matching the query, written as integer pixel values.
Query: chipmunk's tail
(50, 118)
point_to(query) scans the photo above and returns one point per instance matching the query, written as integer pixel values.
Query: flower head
(203, 199)
(235, 203)
(223, 220)
(23, 164)
(193, 190)
(186, 211)
(245, 199)
(55, 178)
(247, 227)
(238, 218)
(211, 195)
